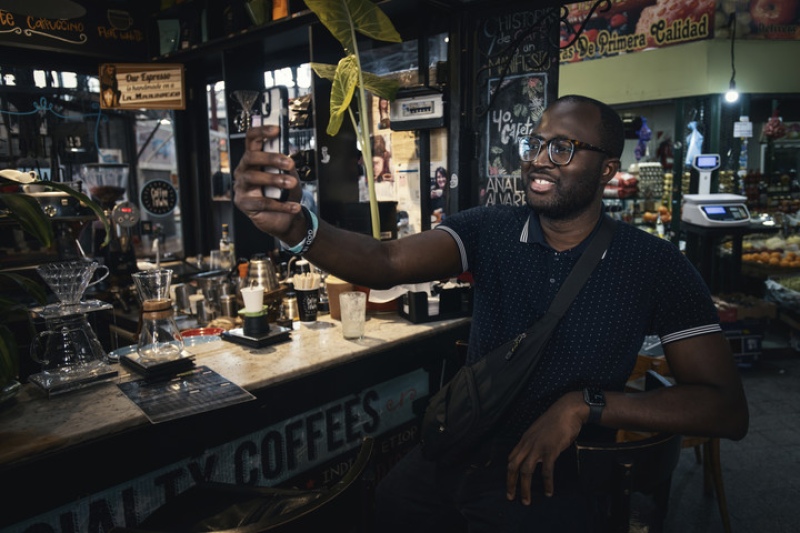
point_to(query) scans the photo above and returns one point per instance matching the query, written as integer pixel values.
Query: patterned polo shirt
(642, 286)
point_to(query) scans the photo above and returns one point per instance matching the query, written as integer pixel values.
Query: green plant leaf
(30, 286)
(9, 355)
(85, 200)
(27, 212)
(383, 87)
(345, 82)
(342, 17)
(324, 70)
(377, 85)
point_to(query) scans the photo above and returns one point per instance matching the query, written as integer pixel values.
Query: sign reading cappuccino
(141, 86)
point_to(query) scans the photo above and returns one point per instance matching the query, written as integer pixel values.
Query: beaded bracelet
(312, 224)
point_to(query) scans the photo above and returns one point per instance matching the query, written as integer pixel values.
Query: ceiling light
(732, 95)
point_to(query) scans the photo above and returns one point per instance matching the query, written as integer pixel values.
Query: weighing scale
(718, 210)
(715, 210)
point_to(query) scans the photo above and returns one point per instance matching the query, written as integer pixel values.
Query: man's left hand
(542, 443)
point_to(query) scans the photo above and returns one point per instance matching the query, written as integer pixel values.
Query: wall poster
(517, 78)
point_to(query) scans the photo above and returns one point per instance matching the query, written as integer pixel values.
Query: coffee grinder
(107, 184)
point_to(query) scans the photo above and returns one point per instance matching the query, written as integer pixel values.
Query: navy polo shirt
(643, 286)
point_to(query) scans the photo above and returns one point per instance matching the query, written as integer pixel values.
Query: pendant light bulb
(732, 95)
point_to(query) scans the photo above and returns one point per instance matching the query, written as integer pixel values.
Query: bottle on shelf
(227, 255)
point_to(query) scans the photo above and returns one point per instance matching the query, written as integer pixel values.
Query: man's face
(562, 192)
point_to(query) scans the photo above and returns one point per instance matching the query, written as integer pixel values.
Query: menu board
(518, 66)
(142, 86)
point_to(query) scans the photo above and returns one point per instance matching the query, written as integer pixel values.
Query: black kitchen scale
(275, 335)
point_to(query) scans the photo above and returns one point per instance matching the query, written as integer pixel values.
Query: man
(518, 257)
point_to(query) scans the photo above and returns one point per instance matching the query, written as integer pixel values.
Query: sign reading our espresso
(141, 86)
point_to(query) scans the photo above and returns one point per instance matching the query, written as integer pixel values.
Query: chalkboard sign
(106, 32)
(518, 77)
(142, 86)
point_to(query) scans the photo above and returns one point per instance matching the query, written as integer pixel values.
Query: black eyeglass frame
(574, 143)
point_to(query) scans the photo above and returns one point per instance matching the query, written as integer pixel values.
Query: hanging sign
(142, 86)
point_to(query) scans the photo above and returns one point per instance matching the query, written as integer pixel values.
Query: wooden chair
(228, 508)
(706, 450)
(610, 472)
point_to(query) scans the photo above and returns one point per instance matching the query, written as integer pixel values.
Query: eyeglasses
(559, 150)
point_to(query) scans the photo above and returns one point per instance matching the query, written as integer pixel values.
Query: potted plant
(26, 212)
(345, 18)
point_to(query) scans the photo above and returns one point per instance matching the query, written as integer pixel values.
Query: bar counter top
(33, 426)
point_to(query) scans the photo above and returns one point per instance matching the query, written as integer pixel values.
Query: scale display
(705, 164)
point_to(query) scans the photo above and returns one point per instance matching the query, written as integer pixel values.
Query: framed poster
(142, 86)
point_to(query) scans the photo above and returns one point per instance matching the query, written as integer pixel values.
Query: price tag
(743, 129)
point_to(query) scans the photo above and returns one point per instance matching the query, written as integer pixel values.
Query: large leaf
(377, 85)
(385, 88)
(382, 87)
(27, 212)
(342, 17)
(345, 82)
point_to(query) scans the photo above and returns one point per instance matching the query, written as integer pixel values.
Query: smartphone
(275, 111)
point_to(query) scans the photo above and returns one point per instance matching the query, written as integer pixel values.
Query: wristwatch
(596, 400)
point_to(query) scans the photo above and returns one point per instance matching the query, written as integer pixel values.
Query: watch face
(594, 397)
(158, 197)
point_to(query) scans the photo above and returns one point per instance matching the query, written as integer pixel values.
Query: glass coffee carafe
(68, 346)
(159, 338)
(69, 351)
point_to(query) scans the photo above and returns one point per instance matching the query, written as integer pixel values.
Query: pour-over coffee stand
(69, 351)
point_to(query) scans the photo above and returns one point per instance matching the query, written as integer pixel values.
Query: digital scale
(715, 210)
(718, 210)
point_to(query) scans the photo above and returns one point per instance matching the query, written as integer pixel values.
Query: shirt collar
(532, 232)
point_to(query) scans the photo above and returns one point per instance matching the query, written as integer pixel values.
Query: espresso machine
(107, 183)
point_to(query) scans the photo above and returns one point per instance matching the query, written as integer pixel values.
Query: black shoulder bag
(466, 407)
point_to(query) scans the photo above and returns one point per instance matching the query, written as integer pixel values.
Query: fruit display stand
(744, 320)
(784, 291)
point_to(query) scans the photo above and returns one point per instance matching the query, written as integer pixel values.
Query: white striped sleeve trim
(460, 244)
(692, 332)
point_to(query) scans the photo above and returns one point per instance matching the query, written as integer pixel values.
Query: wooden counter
(71, 446)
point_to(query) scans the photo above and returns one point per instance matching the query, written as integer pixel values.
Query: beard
(568, 200)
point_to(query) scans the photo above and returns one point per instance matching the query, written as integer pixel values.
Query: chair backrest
(613, 471)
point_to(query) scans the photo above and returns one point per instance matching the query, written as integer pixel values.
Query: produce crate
(736, 307)
(781, 291)
(745, 338)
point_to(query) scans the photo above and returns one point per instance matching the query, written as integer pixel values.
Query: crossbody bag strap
(580, 272)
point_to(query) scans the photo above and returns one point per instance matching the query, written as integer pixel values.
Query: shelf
(294, 22)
